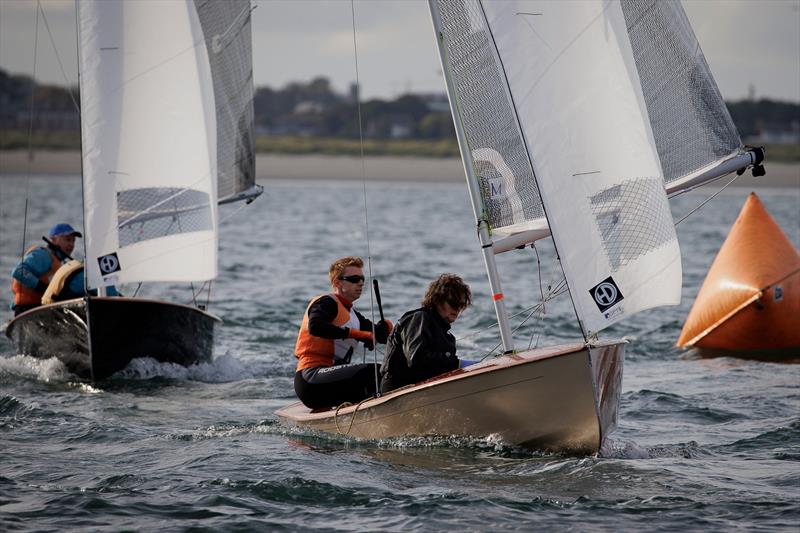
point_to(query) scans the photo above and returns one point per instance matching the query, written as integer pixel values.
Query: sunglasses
(353, 279)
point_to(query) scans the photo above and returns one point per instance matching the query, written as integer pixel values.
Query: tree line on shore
(311, 117)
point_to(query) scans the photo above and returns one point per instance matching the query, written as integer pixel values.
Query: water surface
(702, 443)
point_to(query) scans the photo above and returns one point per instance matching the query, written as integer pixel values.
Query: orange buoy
(750, 299)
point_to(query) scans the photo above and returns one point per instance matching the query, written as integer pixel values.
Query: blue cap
(63, 229)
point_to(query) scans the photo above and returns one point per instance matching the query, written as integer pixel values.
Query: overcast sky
(746, 42)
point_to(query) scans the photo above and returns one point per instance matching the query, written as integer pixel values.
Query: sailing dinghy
(167, 135)
(574, 119)
(749, 302)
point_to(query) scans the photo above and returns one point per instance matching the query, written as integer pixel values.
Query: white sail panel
(575, 88)
(149, 143)
(509, 197)
(226, 27)
(691, 124)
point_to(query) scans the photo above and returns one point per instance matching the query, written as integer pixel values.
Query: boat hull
(118, 330)
(563, 399)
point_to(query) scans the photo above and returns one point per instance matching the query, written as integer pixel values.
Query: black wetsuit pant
(329, 386)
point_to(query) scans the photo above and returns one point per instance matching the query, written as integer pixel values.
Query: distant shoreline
(325, 167)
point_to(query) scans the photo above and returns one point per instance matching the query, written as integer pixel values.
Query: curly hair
(338, 266)
(450, 289)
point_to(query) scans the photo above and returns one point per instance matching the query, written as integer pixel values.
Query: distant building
(309, 107)
(46, 120)
(436, 102)
(776, 134)
(293, 125)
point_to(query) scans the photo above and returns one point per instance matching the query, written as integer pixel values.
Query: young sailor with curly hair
(421, 345)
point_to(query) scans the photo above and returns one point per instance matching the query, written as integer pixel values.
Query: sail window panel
(632, 220)
(499, 159)
(226, 30)
(691, 124)
(155, 212)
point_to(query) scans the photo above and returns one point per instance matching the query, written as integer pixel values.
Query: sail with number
(167, 132)
(568, 111)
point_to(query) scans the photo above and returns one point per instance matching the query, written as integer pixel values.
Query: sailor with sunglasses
(329, 334)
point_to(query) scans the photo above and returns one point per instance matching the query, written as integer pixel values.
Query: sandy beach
(316, 167)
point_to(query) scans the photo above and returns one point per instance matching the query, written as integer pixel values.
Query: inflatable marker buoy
(750, 299)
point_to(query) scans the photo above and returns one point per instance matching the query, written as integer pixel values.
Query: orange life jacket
(25, 295)
(312, 351)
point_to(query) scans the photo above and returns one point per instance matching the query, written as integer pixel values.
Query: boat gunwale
(515, 359)
(128, 299)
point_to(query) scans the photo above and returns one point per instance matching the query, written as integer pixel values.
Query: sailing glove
(363, 336)
(383, 329)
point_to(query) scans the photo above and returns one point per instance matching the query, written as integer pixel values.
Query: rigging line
(230, 215)
(87, 273)
(30, 137)
(58, 58)
(180, 230)
(533, 311)
(541, 291)
(687, 215)
(552, 293)
(364, 188)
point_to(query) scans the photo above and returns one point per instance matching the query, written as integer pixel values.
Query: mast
(484, 237)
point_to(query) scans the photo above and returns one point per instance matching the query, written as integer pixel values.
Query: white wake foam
(47, 370)
(222, 369)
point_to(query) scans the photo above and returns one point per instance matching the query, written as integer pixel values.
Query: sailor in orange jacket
(32, 275)
(329, 334)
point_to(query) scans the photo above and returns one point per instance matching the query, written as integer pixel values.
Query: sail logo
(606, 294)
(109, 263)
(495, 188)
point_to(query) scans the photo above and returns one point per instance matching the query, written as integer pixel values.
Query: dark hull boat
(167, 135)
(119, 330)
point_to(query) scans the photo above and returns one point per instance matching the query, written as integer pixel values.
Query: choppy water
(702, 444)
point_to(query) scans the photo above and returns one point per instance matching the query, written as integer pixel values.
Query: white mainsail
(553, 109)
(153, 134)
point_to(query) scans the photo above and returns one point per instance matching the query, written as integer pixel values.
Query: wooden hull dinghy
(560, 398)
(750, 299)
(120, 330)
(540, 129)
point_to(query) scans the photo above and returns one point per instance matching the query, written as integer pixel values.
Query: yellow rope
(352, 418)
